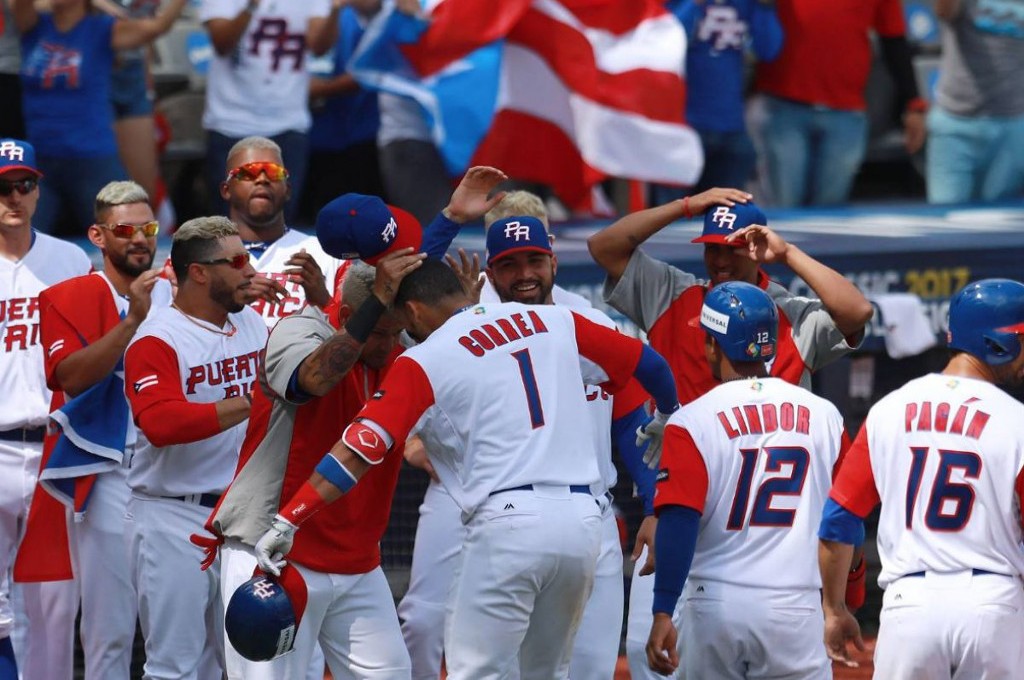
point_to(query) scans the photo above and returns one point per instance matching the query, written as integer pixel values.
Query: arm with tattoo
(322, 369)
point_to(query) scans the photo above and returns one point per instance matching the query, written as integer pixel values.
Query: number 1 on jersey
(530, 387)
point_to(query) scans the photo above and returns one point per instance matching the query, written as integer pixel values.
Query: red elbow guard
(856, 587)
(365, 442)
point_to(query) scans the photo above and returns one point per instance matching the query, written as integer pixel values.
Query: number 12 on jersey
(790, 484)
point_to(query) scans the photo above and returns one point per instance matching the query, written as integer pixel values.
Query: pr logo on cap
(16, 154)
(722, 221)
(356, 225)
(514, 234)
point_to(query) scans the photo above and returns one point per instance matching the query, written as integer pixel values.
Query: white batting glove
(652, 434)
(274, 545)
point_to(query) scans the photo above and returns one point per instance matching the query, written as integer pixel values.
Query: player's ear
(344, 313)
(95, 235)
(225, 191)
(554, 264)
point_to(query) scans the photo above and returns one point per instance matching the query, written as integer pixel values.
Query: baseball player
(944, 455)
(86, 324)
(521, 268)
(294, 267)
(189, 375)
(337, 361)
(739, 497)
(319, 370)
(662, 299)
(29, 262)
(512, 467)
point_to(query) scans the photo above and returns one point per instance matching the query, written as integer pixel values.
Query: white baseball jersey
(176, 357)
(496, 395)
(272, 265)
(945, 456)
(767, 450)
(24, 397)
(599, 402)
(267, 66)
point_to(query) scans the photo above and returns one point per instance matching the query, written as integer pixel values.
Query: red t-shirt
(826, 52)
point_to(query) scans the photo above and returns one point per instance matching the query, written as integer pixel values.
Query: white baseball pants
(180, 610)
(526, 571)
(350, 616)
(101, 560)
(960, 626)
(39, 617)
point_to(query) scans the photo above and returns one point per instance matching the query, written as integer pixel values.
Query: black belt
(207, 500)
(24, 434)
(573, 488)
(974, 572)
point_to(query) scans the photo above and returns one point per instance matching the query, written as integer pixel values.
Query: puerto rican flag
(563, 92)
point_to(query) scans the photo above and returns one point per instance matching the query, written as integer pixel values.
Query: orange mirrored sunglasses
(250, 172)
(125, 230)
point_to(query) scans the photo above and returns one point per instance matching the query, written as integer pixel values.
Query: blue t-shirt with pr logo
(66, 80)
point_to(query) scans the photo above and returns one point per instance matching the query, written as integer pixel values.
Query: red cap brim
(1015, 328)
(11, 168)
(718, 238)
(410, 235)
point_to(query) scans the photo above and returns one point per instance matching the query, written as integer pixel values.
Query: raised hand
(468, 273)
(763, 244)
(263, 288)
(140, 295)
(469, 200)
(305, 271)
(699, 203)
(391, 269)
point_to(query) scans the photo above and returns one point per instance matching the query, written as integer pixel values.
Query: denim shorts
(128, 91)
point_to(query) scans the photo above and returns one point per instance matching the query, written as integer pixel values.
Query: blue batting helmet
(985, 319)
(742, 319)
(263, 615)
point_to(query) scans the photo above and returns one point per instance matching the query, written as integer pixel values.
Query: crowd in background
(776, 91)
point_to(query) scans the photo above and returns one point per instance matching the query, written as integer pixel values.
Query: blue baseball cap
(516, 234)
(16, 154)
(359, 226)
(722, 220)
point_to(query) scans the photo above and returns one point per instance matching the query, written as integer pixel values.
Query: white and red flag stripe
(586, 89)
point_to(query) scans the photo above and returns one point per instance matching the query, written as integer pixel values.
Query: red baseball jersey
(285, 440)
(662, 300)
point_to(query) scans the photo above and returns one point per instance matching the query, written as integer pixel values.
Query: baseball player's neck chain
(206, 326)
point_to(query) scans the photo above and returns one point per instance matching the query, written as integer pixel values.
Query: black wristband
(361, 324)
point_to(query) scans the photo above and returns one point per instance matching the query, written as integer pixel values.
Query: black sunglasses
(24, 186)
